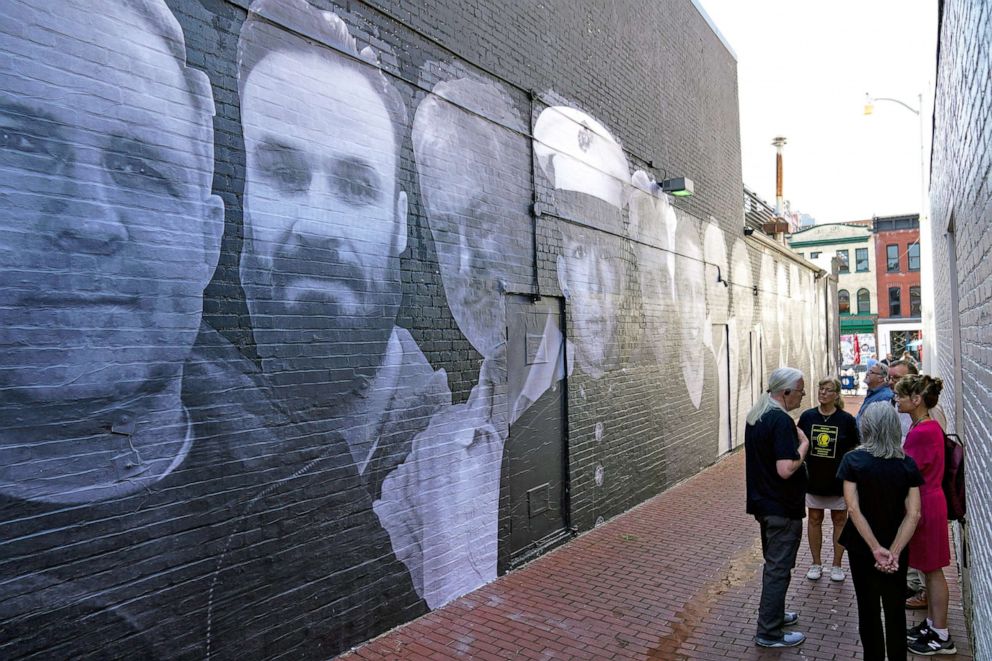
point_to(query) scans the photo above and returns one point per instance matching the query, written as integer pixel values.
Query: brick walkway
(676, 578)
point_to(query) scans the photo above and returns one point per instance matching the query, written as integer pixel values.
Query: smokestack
(778, 143)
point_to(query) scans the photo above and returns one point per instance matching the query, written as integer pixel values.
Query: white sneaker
(837, 574)
(814, 573)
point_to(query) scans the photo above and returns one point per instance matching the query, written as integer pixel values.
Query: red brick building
(897, 256)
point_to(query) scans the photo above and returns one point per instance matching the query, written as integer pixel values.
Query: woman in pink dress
(929, 549)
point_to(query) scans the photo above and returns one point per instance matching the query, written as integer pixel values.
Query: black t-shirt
(773, 437)
(882, 488)
(830, 438)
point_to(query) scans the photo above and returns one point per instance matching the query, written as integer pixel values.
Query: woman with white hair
(882, 492)
(774, 450)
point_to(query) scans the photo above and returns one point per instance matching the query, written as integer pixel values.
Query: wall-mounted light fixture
(679, 186)
(748, 231)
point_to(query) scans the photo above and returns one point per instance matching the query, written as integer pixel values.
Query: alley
(675, 578)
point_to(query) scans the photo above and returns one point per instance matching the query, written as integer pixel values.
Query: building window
(844, 301)
(861, 259)
(915, 307)
(892, 258)
(864, 302)
(895, 302)
(845, 261)
(814, 255)
(914, 256)
(801, 255)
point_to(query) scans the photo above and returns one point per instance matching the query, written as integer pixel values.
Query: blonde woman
(832, 433)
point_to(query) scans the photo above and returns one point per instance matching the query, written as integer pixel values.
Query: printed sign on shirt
(824, 443)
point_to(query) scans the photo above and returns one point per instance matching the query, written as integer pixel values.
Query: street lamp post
(926, 274)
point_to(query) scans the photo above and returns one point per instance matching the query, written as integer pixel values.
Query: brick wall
(902, 278)
(960, 200)
(318, 317)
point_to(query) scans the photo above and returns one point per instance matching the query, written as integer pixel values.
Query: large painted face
(690, 289)
(654, 219)
(743, 298)
(477, 219)
(591, 276)
(715, 254)
(109, 229)
(799, 313)
(691, 292)
(324, 220)
(782, 304)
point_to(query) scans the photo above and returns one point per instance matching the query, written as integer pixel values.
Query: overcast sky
(803, 70)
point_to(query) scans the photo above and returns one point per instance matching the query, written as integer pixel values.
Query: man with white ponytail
(775, 450)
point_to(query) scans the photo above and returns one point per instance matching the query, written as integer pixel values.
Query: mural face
(474, 176)
(653, 222)
(110, 236)
(715, 254)
(324, 219)
(742, 323)
(783, 307)
(797, 306)
(691, 292)
(588, 169)
(743, 278)
(591, 276)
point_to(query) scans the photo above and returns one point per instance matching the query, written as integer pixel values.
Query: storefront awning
(849, 325)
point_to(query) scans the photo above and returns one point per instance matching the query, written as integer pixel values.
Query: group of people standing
(879, 474)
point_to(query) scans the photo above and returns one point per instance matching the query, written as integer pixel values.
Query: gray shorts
(834, 503)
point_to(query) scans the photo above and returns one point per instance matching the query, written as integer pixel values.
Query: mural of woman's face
(591, 277)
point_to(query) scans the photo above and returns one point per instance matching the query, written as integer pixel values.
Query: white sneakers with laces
(814, 573)
(837, 574)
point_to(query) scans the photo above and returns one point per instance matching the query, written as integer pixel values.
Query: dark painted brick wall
(358, 430)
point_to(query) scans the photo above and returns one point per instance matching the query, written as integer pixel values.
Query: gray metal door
(533, 499)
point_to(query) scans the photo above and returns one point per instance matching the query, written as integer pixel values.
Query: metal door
(533, 498)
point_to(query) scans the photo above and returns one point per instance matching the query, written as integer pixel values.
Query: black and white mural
(255, 393)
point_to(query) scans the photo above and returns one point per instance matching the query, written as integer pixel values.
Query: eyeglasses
(875, 373)
(827, 390)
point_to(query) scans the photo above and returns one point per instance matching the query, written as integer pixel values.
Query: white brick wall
(961, 198)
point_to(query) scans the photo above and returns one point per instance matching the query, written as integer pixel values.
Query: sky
(803, 70)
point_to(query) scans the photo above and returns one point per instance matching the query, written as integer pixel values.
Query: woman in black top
(832, 432)
(881, 487)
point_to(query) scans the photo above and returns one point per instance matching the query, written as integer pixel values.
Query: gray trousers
(780, 539)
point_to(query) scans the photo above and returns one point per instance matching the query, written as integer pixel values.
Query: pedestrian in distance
(929, 550)
(881, 488)
(774, 450)
(876, 378)
(832, 433)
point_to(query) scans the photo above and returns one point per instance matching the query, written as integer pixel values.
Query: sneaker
(814, 572)
(837, 574)
(920, 630)
(791, 617)
(918, 601)
(930, 644)
(789, 639)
